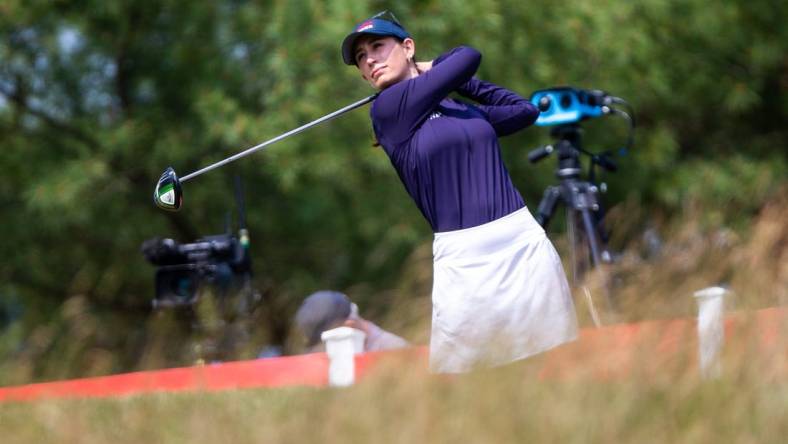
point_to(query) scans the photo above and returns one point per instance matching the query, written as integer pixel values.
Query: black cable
(631, 120)
(629, 107)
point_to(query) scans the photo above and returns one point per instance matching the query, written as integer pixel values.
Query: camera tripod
(584, 211)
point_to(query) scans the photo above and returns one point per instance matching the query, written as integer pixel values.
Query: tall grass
(404, 405)
(748, 403)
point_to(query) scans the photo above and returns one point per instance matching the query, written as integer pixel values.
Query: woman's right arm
(401, 108)
(506, 110)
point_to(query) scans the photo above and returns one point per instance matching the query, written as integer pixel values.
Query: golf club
(168, 194)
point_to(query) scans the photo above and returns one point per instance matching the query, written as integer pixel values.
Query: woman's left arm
(507, 111)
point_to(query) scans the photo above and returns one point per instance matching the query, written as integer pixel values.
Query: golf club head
(168, 195)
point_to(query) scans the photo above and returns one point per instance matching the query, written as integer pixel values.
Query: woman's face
(384, 61)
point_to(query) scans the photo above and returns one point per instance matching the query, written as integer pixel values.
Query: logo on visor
(364, 26)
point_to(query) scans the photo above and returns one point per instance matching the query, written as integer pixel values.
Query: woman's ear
(410, 48)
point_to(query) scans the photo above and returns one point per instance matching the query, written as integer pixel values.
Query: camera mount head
(565, 104)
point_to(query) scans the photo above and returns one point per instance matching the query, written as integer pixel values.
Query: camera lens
(566, 101)
(544, 103)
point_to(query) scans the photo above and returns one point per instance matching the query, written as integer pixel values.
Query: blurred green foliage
(98, 97)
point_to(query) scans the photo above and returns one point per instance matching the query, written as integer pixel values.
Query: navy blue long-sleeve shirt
(446, 151)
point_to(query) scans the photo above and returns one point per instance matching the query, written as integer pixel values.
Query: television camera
(218, 263)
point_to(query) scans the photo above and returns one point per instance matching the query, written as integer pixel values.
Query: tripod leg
(547, 205)
(591, 237)
(575, 250)
(600, 272)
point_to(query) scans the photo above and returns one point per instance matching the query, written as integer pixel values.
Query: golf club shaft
(278, 138)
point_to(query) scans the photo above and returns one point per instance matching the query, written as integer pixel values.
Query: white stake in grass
(711, 331)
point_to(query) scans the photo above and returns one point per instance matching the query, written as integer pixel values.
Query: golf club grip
(293, 132)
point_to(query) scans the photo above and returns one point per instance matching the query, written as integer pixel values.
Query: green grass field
(406, 406)
(657, 400)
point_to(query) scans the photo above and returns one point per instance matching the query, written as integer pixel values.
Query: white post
(711, 332)
(342, 344)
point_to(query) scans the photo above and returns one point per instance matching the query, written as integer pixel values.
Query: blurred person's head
(325, 310)
(382, 50)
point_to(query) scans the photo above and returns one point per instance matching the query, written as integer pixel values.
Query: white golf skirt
(499, 294)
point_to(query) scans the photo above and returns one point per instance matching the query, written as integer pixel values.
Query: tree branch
(19, 99)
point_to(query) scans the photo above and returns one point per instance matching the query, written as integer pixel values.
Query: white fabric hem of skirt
(546, 347)
(499, 295)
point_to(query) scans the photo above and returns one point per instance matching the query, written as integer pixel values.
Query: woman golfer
(499, 289)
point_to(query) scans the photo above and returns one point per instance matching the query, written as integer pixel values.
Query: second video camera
(219, 262)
